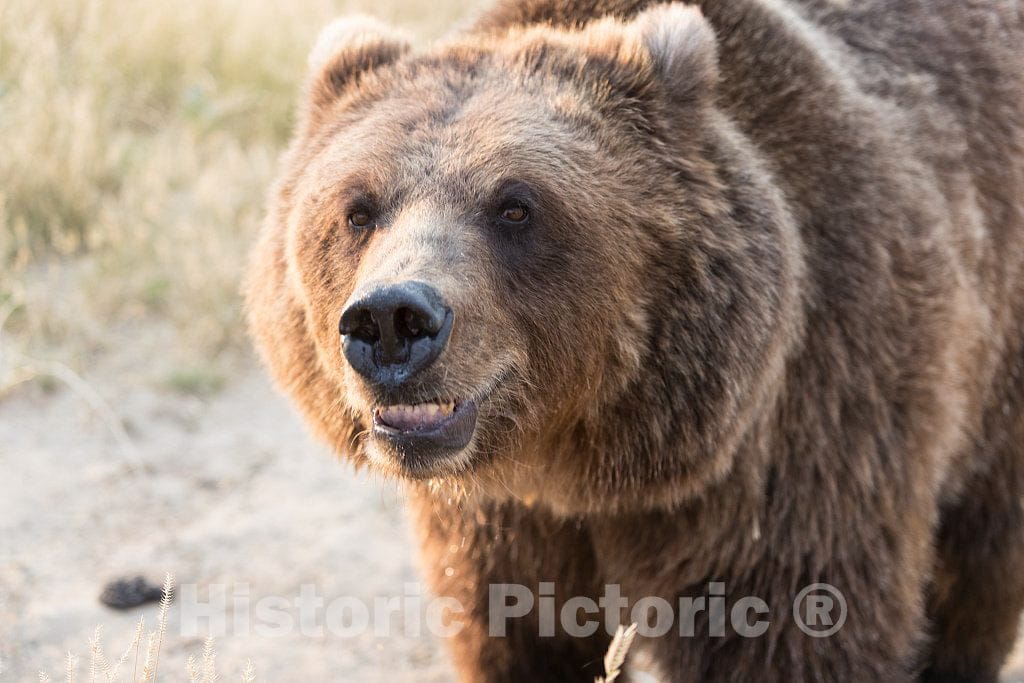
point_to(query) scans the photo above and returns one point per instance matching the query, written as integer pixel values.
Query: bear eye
(360, 218)
(514, 213)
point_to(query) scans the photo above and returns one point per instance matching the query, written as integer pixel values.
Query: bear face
(536, 263)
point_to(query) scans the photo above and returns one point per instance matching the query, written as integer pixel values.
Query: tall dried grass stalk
(71, 669)
(209, 661)
(615, 658)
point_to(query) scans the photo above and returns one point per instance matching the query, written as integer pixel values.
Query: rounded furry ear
(347, 48)
(682, 47)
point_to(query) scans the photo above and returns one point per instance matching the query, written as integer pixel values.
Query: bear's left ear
(682, 47)
(347, 49)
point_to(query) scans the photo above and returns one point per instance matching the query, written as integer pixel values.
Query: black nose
(392, 332)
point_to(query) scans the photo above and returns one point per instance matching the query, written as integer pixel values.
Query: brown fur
(768, 329)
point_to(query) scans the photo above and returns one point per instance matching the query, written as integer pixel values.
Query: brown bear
(697, 301)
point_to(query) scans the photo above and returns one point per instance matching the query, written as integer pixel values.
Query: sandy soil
(230, 490)
(227, 490)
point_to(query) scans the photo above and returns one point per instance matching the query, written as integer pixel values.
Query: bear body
(726, 295)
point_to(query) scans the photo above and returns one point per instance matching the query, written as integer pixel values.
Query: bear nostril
(361, 325)
(409, 324)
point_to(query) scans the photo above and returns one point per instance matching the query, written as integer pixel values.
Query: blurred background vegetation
(137, 144)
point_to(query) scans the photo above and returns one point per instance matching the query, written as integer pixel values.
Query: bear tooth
(419, 411)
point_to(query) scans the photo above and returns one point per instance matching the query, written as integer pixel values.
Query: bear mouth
(426, 431)
(417, 417)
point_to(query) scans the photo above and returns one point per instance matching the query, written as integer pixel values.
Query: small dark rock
(126, 593)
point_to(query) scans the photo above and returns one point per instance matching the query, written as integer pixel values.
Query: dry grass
(204, 669)
(615, 658)
(145, 663)
(138, 143)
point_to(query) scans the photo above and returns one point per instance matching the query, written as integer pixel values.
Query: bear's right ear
(682, 47)
(346, 49)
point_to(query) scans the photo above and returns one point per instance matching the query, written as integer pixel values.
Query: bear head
(533, 261)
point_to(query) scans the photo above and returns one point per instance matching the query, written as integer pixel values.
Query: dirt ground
(227, 489)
